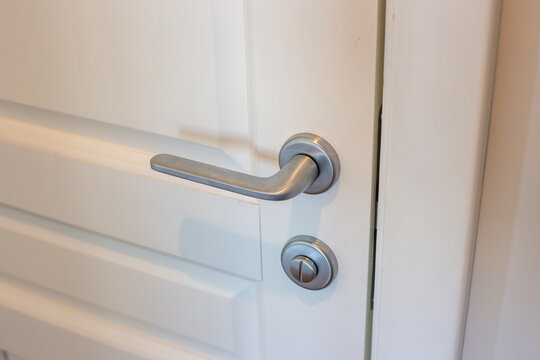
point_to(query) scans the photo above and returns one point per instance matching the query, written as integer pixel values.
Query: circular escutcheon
(321, 152)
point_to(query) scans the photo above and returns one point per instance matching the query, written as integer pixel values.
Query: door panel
(42, 329)
(52, 174)
(203, 304)
(172, 67)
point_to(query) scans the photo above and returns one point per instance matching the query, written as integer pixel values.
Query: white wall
(504, 312)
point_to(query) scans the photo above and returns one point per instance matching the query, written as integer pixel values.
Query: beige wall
(504, 312)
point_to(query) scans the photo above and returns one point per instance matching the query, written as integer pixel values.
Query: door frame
(439, 66)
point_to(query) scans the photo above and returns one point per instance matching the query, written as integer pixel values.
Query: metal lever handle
(308, 164)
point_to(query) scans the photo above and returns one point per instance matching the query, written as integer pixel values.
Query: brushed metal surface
(304, 247)
(321, 152)
(303, 268)
(308, 164)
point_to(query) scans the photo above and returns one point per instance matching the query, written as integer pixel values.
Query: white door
(102, 257)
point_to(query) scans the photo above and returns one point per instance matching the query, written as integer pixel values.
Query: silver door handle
(308, 164)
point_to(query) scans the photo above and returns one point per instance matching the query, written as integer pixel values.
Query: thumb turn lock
(309, 262)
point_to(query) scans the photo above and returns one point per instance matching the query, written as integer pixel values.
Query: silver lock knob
(303, 269)
(309, 262)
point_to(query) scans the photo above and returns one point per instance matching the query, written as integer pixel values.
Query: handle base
(320, 151)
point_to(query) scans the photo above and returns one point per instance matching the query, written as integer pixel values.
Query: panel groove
(155, 293)
(213, 230)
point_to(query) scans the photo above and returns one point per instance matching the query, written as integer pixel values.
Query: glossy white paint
(99, 252)
(44, 329)
(504, 312)
(315, 70)
(175, 68)
(439, 62)
(147, 289)
(126, 204)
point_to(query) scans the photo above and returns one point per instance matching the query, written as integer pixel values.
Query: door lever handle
(308, 163)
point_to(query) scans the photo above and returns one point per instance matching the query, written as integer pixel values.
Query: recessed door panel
(186, 299)
(172, 67)
(112, 191)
